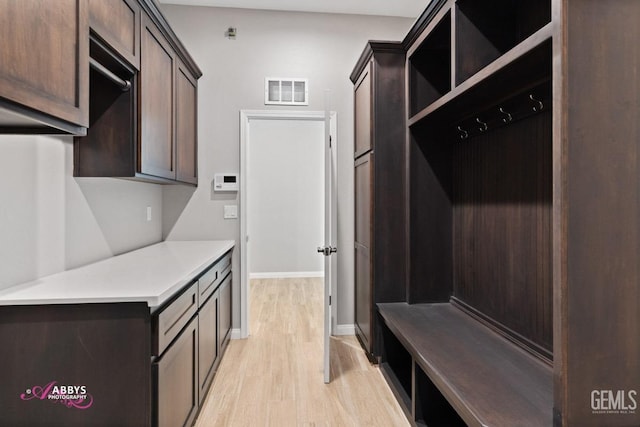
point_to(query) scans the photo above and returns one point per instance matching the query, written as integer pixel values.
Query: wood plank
(597, 176)
(488, 380)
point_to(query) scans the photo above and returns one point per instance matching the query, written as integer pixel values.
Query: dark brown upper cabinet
(157, 90)
(44, 71)
(149, 132)
(117, 23)
(186, 125)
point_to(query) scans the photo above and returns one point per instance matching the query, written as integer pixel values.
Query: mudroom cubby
(429, 66)
(522, 183)
(484, 33)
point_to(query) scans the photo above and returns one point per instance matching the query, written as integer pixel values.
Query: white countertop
(152, 275)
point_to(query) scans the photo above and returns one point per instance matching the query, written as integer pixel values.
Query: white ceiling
(405, 8)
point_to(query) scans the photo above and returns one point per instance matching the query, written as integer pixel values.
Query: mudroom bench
(448, 369)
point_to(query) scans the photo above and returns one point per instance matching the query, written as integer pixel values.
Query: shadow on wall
(32, 221)
(175, 199)
(128, 213)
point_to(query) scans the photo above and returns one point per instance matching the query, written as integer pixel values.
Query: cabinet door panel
(45, 57)
(118, 23)
(363, 207)
(363, 114)
(208, 343)
(186, 126)
(363, 294)
(177, 380)
(157, 148)
(224, 327)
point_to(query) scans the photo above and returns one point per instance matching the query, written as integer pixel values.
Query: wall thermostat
(225, 182)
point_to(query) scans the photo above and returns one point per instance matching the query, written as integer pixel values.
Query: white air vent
(286, 91)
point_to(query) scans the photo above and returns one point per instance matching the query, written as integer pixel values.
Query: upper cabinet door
(186, 125)
(156, 149)
(363, 113)
(45, 57)
(117, 22)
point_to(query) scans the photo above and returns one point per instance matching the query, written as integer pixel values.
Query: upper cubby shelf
(430, 67)
(471, 44)
(526, 65)
(483, 34)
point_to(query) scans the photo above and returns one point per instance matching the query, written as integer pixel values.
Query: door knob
(327, 250)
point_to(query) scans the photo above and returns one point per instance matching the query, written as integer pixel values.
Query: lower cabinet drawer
(169, 322)
(176, 381)
(210, 280)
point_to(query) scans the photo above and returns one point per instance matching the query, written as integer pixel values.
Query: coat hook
(483, 126)
(463, 133)
(540, 105)
(508, 117)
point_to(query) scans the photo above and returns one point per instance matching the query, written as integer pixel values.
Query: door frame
(246, 117)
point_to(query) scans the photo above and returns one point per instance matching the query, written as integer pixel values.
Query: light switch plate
(231, 212)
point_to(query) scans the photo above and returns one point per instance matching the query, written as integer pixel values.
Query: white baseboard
(286, 275)
(344, 330)
(236, 334)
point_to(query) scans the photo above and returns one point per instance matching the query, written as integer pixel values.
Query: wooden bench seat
(487, 380)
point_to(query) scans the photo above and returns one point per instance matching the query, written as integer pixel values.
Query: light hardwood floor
(274, 378)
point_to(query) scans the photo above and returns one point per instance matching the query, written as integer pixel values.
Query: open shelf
(526, 65)
(484, 33)
(485, 378)
(430, 407)
(430, 67)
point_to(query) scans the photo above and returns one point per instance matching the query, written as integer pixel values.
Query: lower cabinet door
(224, 325)
(363, 302)
(176, 380)
(208, 343)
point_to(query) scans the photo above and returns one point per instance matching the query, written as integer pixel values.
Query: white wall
(51, 222)
(321, 47)
(285, 196)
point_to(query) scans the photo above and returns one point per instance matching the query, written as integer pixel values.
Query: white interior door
(330, 233)
(330, 214)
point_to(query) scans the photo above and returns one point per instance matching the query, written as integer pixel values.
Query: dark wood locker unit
(378, 79)
(522, 302)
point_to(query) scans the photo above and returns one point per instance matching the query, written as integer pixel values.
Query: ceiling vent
(283, 91)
